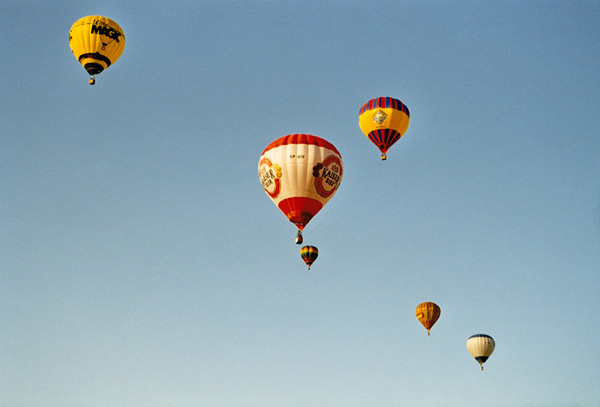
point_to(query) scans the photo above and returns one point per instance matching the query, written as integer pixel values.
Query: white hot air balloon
(300, 173)
(481, 346)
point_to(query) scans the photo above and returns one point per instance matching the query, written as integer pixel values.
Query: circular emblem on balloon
(270, 175)
(328, 175)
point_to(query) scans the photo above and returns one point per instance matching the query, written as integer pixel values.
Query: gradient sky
(142, 264)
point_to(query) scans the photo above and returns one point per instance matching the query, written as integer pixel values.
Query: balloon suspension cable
(92, 80)
(383, 157)
(299, 238)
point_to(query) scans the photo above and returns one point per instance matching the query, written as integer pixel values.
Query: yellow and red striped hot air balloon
(428, 314)
(309, 254)
(97, 42)
(300, 173)
(384, 120)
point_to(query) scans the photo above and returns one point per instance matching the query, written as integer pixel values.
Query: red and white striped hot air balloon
(300, 173)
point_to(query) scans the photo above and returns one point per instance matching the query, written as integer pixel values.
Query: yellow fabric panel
(383, 118)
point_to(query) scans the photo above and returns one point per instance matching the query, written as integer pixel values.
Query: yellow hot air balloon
(428, 314)
(481, 346)
(384, 120)
(97, 42)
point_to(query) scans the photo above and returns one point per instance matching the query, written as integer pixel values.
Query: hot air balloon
(97, 42)
(384, 120)
(428, 314)
(481, 346)
(300, 173)
(309, 254)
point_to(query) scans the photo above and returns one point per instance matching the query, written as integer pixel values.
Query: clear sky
(142, 264)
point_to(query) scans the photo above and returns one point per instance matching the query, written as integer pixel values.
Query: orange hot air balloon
(428, 314)
(300, 173)
(309, 254)
(384, 120)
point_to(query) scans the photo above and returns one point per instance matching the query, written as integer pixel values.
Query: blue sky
(143, 265)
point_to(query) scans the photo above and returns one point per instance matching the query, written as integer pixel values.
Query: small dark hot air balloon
(309, 254)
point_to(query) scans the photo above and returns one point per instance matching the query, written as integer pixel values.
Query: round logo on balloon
(270, 175)
(328, 175)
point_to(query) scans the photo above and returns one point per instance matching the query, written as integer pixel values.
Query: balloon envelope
(428, 314)
(97, 42)
(300, 173)
(481, 346)
(309, 254)
(384, 120)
